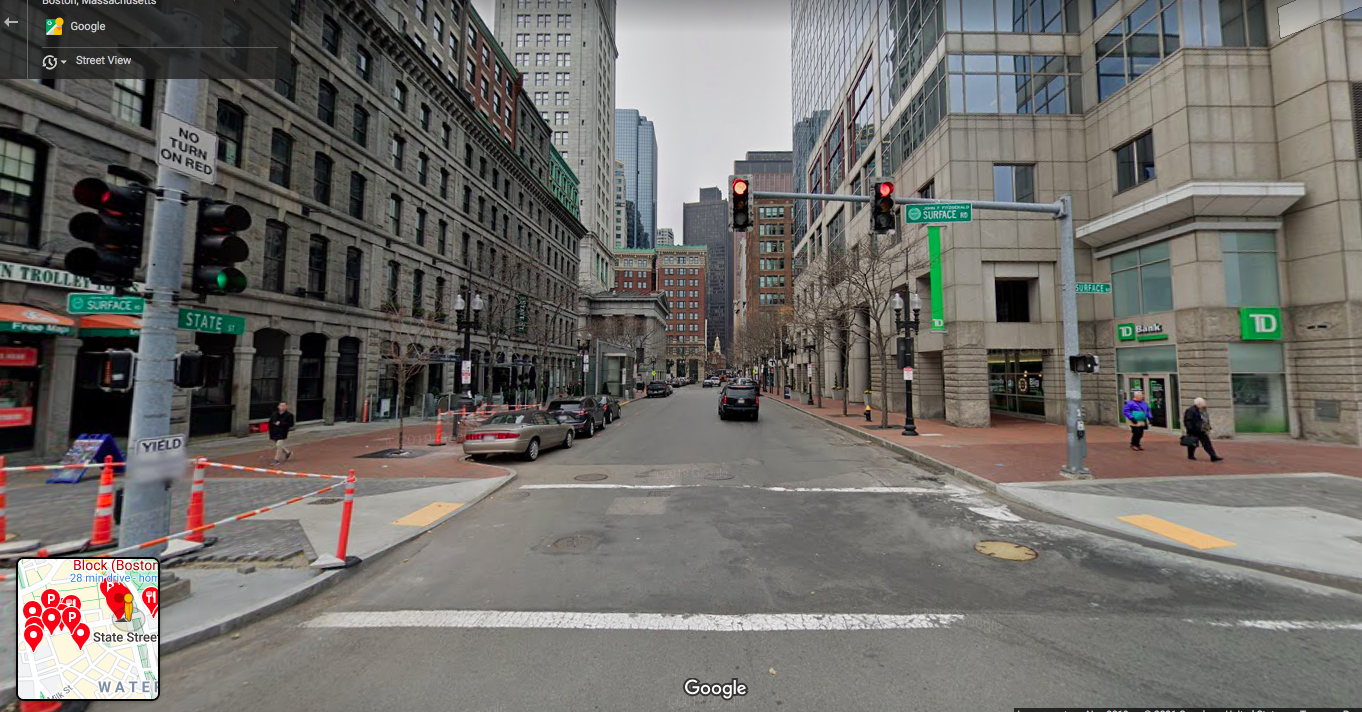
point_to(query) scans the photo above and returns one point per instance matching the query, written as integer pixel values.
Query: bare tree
(644, 337)
(551, 324)
(823, 312)
(499, 313)
(763, 337)
(872, 268)
(405, 353)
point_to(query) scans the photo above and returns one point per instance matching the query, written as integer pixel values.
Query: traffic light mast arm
(1056, 208)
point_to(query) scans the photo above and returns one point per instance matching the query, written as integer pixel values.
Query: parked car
(613, 411)
(711, 382)
(739, 399)
(586, 415)
(523, 433)
(658, 389)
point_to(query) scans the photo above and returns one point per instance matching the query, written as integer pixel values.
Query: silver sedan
(523, 433)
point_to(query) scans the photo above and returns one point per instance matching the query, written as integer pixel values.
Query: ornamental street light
(467, 325)
(909, 328)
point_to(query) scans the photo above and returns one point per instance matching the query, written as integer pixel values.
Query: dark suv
(739, 400)
(585, 415)
(658, 389)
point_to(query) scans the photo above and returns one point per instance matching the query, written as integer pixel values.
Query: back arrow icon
(8, 22)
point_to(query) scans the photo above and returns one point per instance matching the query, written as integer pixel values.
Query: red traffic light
(739, 186)
(886, 190)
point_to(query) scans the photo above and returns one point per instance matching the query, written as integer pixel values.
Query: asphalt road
(792, 570)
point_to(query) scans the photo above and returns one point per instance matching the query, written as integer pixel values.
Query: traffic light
(882, 207)
(117, 371)
(217, 248)
(116, 232)
(740, 203)
(1084, 363)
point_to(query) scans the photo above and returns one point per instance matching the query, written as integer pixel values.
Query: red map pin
(51, 598)
(33, 609)
(71, 602)
(70, 617)
(33, 634)
(51, 619)
(81, 634)
(152, 597)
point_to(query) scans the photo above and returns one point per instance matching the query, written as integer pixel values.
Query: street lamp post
(909, 327)
(467, 326)
(811, 350)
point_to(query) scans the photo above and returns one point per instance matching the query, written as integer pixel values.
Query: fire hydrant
(867, 412)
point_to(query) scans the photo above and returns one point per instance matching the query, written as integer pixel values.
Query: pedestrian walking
(1137, 412)
(1197, 423)
(281, 422)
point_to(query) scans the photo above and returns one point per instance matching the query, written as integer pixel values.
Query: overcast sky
(676, 65)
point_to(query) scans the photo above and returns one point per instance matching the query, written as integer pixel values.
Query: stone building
(397, 164)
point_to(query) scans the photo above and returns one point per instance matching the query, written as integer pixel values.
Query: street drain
(718, 476)
(1006, 550)
(326, 500)
(592, 477)
(573, 543)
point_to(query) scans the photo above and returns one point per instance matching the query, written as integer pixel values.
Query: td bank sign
(1260, 323)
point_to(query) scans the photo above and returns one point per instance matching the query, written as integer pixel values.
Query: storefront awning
(1192, 200)
(23, 319)
(110, 325)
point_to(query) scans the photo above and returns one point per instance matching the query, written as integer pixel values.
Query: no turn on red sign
(188, 149)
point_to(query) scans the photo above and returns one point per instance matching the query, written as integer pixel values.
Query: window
(541, 59)
(541, 79)
(281, 158)
(482, 167)
(421, 227)
(395, 214)
(358, 185)
(400, 95)
(276, 247)
(1142, 281)
(543, 20)
(284, 84)
(1258, 384)
(1250, 260)
(522, 40)
(562, 79)
(132, 94)
(231, 132)
(1012, 299)
(482, 86)
(1014, 183)
(440, 297)
(331, 36)
(364, 64)
(394, 280)
(295, 11)
(354, 261)
(443, 244)
(360, 131)
(564, 40)
(522, 21)
(564, 59)
(1008, 84)
(437, 28)
(453, 45)
(522, 58)
(1135, 162)
(326, 103)
(468, 155)
(560, 118)
(321, 178)
(469, 73)
(496, 104)
(21, 181)
(397, 151)
(564, 21)
(422, 168)
(236, 37)
(425, 117)
(467, 199)
(445, 134)
(316, 267)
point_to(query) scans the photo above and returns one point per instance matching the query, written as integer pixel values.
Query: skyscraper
(636, 147)
(665, 237)
(567, 56)
(706, 223)
(763, 254)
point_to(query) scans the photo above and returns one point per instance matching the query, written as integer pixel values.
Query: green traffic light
(231, 280)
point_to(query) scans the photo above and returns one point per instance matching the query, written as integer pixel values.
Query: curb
(287, 599)
(939, 467)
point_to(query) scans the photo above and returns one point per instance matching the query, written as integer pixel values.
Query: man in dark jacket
(281, 421)
(1198, 424)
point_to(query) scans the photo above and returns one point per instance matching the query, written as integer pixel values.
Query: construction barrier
(101, 532)
(101, 528)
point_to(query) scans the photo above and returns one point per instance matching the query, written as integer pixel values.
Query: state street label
(88, 629)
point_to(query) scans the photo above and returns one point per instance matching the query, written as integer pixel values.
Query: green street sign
(211, 322)
(939, 213)
(1092, 288)
(103, 304)
(1260, 323)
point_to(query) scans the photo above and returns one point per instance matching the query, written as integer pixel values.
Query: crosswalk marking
(949, 490)
(752, 622)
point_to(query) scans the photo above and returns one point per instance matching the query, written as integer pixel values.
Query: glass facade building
(636, 148)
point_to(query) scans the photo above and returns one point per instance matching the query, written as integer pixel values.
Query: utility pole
(146, 501)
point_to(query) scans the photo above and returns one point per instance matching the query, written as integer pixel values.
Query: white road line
(1285, 625)
(946, 490)
(754, 622)
(1000, 513)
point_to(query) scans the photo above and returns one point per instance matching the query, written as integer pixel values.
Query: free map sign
(939, 213)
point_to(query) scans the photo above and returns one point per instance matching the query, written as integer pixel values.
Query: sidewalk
(1282, 505)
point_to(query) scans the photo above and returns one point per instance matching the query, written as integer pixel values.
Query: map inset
(88, 629)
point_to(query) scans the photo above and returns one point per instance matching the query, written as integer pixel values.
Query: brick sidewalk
(1020, 450)
(340, 454)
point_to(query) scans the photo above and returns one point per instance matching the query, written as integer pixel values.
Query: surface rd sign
(187, 149)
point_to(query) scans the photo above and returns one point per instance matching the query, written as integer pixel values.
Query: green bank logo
(1260, 323)
(1125, 332)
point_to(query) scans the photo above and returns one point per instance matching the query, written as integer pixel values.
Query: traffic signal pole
(1061, 210)
(146, 499)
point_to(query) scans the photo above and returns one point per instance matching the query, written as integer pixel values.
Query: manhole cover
(1006, 550)
(593, 477)
(517, 495)
(573, 543)
(326, 500)
(718, 476)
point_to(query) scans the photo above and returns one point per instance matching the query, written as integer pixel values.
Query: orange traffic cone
(102, 533)
(194, 518)
(39, 706)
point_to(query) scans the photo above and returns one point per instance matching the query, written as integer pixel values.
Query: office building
(636, 147)
(705, 224)
(665, 237)
(680, 271)
(763, 263)
(1211, 165)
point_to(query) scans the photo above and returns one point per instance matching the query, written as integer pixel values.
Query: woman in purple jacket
(1137, 412)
